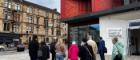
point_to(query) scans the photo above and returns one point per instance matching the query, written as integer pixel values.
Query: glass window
(29, 9)
(17, 6)
(30, 19)
(6, 3)
(6, 27)
(15, 27)
(37, 20)
(9, 5)
(7, 16)
(46, 22)
(29, 28)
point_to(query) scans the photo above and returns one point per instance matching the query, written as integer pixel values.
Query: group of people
(38, 51)
(86, 51)
(41, 51)
(89, 49)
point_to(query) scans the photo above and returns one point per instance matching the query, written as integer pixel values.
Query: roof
(125, 8)
(38, 6)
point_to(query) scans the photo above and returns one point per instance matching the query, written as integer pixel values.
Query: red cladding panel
(70, 8)
(100, 5)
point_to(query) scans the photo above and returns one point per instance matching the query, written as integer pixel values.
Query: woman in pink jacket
(73, 51)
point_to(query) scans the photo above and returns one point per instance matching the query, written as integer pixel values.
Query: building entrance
(79, 32)
(134, 42)
(134, 37)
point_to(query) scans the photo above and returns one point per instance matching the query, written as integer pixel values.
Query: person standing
(118, 50)
(52, 49)
(73, 51)
(93, 44)
(33, 48)
(85, 51)
(60, 49)
(102, 49)
(45, 51)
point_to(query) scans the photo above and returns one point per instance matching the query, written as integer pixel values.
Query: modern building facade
(116, 18)
(20, 20)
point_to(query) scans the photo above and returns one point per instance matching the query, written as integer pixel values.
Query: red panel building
(71, 8)
(111, 15)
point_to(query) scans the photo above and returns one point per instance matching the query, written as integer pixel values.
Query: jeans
(59, 57)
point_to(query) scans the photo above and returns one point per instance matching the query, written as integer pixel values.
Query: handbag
(118, 56)
(105, 50)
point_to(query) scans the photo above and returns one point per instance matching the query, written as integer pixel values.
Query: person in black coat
(33, 48)
(45, 51)
(85, 51)
(52, 49)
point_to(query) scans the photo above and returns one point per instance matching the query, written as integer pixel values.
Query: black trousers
(33, 57)
(53, 57)
(102, 56)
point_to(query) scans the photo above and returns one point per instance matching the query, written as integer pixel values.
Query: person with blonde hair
(60, 49)
(93, 44)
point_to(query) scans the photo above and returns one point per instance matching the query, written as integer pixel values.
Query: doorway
(134, 41)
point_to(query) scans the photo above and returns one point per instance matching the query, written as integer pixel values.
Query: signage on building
(114, 32)
(15, 39)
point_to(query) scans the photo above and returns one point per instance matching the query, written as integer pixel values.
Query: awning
(92, 16)
(8, 37)
(95, 27)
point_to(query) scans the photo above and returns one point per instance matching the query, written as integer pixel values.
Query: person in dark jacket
(52, 49)
(45, 51)
(33, 48)
(85, 51)
(102, 49)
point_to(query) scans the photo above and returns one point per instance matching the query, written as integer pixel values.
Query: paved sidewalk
(25, 56)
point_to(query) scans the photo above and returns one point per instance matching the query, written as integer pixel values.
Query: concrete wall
(120, 21)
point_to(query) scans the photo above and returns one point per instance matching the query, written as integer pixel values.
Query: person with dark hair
(101, 48)
(52, 49)
(118, 49)
(33, 48)
(85, 51)
(45, 51)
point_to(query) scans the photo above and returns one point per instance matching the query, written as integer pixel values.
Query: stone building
(20, 20)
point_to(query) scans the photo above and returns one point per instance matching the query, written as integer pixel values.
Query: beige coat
(93, 45)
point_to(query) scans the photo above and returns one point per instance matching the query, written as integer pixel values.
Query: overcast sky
(48, 3)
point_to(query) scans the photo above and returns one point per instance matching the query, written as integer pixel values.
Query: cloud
(48, 3)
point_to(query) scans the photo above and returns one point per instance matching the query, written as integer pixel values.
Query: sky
(48, 3)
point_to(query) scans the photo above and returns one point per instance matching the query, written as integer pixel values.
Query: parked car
(20, 47)
(2, 48)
